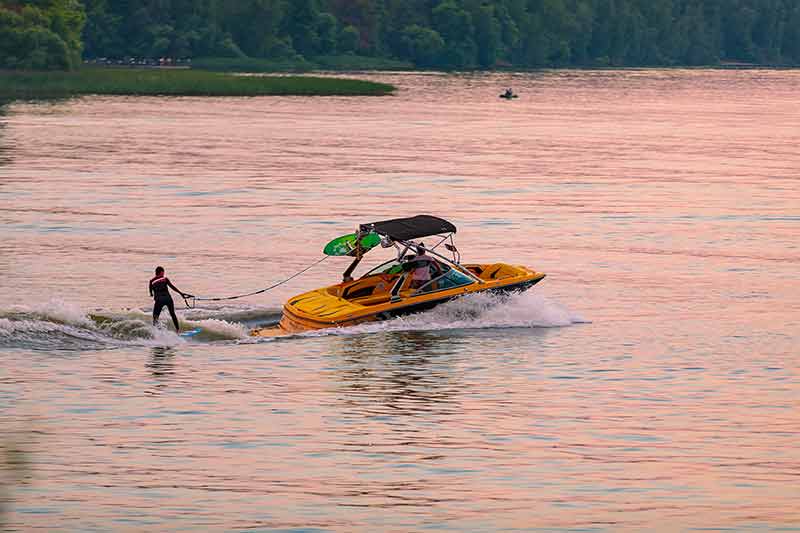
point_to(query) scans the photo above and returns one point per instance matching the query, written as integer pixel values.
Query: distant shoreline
(368, 64)
(344, 62)
(192, 80)
(356, 63)
(32, 85)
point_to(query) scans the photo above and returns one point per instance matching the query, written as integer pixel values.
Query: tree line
(446, 34)
(41, 34)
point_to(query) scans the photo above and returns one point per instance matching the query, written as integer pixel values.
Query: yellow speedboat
(418, 279)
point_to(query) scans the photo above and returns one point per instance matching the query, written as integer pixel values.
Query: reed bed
(175, 82)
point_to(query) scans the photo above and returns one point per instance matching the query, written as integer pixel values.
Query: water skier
(159, 289)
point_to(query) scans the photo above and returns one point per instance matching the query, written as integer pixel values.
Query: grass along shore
(175, 82)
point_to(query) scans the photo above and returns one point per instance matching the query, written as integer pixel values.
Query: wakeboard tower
(394, 288)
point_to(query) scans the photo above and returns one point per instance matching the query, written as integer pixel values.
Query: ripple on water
(662, 204)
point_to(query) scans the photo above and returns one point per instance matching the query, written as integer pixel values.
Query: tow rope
(191, 301)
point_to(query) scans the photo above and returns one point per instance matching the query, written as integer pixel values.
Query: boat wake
(59, 325)
(475, 311)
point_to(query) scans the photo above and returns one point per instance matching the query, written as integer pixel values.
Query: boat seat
(372, 300)
(364, 288)
(493, 271)
(359, 292)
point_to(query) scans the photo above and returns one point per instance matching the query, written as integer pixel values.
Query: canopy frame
(402, 234)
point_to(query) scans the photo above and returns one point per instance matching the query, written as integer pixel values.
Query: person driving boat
(422, 264)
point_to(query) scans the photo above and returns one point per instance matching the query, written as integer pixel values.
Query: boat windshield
(452, 278)
(389, 267)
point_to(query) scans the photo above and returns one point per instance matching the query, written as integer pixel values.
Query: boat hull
(325, 308)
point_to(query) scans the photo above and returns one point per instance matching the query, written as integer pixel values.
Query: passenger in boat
(509, 93)
(422, 264)
(159, 290)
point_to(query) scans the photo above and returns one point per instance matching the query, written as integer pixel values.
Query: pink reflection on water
(662, 205)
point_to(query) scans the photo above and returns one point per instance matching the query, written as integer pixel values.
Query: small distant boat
(389, 289)
(509, 96)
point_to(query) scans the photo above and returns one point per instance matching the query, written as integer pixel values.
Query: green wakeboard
(346, 244)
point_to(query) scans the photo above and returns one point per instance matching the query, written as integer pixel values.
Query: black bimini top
(403, 229)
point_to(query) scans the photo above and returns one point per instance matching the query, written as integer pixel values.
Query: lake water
(650, 382)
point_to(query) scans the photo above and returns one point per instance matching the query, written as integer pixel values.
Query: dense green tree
(328, 32)
(252, 27)
(102, 31)
(700, 49)
(487, 36)
(300, 24)
(432, 33)
(509, 32)
(424, 46)
(43, 34)
(369, 17)
(790, 47)
(349, 39)
(454, 25)
(535, 46)
(738, 37)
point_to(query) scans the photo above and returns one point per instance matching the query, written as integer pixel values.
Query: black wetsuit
(159, 290)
